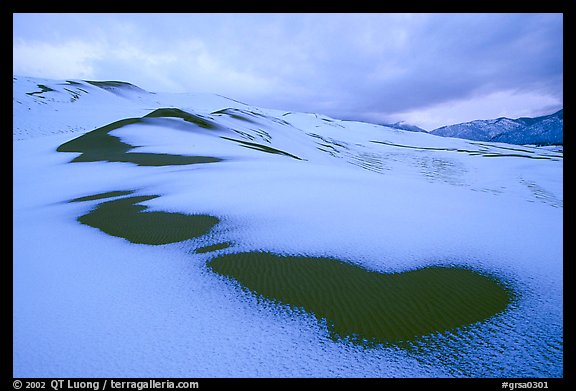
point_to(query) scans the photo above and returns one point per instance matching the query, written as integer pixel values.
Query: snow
(88, 304)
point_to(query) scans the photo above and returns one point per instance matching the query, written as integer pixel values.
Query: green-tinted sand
(214, 247)
(109, 83)
(99, 145)
(43, 89)
(125, 219)
(262, 148)
(234, 113)
(99, 196)
(366, 305)
(177, 113)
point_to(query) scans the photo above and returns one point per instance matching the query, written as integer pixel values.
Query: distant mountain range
(544, 130)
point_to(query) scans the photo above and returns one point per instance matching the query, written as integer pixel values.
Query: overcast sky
(426, 69)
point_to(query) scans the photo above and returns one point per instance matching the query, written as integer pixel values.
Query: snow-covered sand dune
(91, 300)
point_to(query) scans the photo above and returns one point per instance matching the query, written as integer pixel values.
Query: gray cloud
(364, 66)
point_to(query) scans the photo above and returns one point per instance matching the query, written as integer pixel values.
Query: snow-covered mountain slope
(125, 200)
(545, 130)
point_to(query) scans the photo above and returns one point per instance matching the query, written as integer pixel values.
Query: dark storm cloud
(364, 66)
(448, 57)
